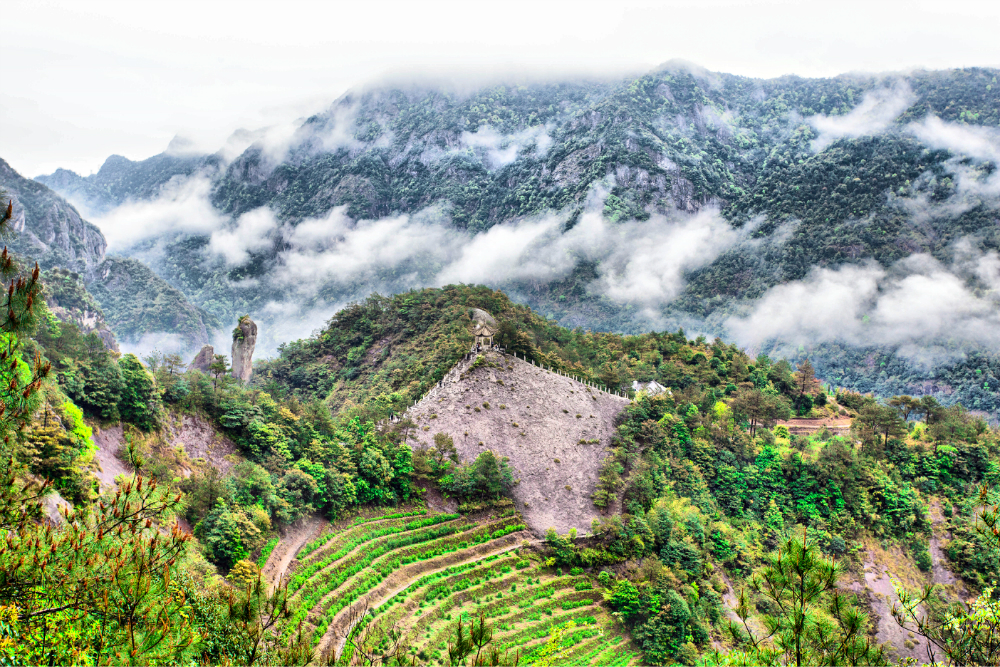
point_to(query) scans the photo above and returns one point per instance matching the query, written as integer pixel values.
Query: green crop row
(546, 630)
(305, 574)
(573, 604)
(323, 539)
(344, 573)
(514, 597)
(384, 569)
(265, 553)
(452, 571)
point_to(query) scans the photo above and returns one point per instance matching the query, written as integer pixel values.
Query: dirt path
(940, 573)
(294, 539)
(402, 579)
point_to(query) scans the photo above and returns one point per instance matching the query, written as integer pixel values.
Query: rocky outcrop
(48, 228)
(244, 340)
(554, 430)
(203, 360)
(652, 388)
(68, 299)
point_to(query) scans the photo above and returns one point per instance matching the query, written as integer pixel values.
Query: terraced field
(418, 575)
(521, 599)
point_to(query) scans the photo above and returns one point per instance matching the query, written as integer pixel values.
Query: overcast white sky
(83, 79)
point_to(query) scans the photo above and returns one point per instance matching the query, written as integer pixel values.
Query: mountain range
(852, 220)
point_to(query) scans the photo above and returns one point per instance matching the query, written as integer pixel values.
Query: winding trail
(289, 545)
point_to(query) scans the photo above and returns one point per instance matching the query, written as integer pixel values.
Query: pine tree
(19, 382)
(805, 379)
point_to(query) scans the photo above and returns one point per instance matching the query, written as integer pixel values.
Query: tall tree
(759, 408)
(805, 379)
(904, 405)
(19, 382)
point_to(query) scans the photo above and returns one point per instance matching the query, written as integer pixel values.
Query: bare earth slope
(537, 418)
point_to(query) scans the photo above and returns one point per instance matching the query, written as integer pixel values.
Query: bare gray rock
(554, 429)
(49, 229)
(203, 359)
(244, 340)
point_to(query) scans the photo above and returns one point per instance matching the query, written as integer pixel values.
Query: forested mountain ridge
(679, 197)
(134, 300)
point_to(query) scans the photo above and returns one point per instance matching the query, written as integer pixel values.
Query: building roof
(485, 330)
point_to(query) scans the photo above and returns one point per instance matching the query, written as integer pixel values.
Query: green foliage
(797, 582)
(220, 533)
(486, 477)
(140, 397)
(104, 575)
(265, 553)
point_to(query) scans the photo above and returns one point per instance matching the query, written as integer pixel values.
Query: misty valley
(676, 368)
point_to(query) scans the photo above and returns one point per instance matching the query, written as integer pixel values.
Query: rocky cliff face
(133, 299)
(244, 340)
(203, 359)
(68, 299)
(50, 230)
(138, 302)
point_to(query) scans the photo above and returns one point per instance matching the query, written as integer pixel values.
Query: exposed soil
(201, 442)
(292, 540)
(554, 429)
(109, 466)
(940, 574)
(53, 503)
(836, 425)
(194, 434)
(436, 502)
(875, 586)
(883, 597)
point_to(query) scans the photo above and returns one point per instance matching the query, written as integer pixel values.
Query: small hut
(484, 327)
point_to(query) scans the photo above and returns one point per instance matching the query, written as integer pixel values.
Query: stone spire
(203, 360)
(244, 339)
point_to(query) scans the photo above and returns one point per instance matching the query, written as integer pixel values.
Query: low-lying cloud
(639, 262)
(503, 149)
(876, 112)
(252, 232)
(182, 207)
(911, 305)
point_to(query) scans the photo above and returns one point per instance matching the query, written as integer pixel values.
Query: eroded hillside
(554, 429)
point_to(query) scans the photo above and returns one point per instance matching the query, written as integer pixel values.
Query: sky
(84, 79)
